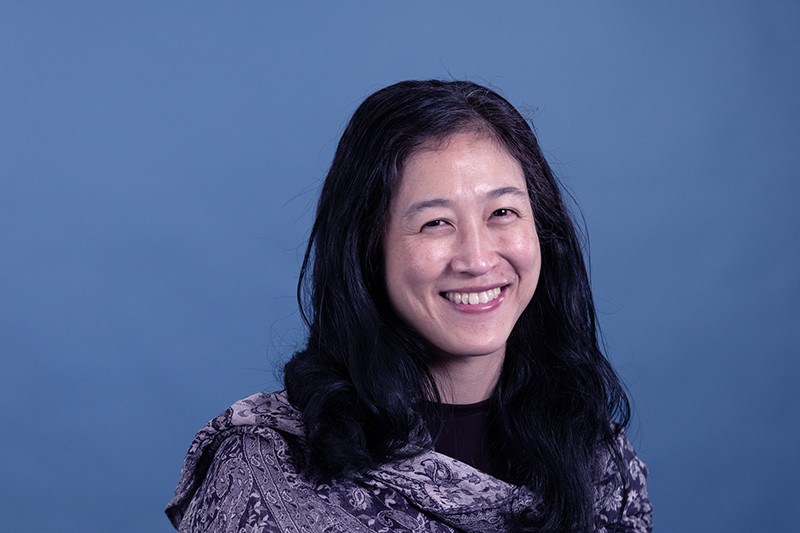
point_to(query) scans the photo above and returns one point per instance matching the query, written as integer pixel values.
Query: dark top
(460, 431)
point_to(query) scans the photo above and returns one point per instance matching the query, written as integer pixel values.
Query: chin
(470, 350)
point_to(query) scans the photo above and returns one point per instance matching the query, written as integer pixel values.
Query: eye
(503, 212)
(433, 224)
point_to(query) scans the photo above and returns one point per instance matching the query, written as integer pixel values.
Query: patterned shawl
(239, 476)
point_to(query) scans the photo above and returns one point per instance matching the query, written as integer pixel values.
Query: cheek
(535, 258)
(524, 248)
(533, 252)
(526, 256)
(410, 271)
(411, 280)
(416, 262)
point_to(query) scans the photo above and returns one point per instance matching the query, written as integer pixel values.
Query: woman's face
(462, 254)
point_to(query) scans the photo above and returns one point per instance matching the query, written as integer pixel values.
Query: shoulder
(228, 498)
(266, 410)
(230, 458)
(240, 476)
(621, 499)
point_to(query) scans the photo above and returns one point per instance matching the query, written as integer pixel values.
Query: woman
(452, 379)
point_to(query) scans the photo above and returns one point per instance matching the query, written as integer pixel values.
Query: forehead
(459, 163)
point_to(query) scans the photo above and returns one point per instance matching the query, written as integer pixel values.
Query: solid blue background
(159, 167)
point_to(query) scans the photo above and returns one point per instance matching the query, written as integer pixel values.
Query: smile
(473, 298)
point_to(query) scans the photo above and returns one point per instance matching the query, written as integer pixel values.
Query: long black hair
(557, 399)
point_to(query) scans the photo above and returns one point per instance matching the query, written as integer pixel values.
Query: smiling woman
(452, 379)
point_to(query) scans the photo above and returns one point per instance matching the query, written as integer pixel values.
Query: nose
(475, 251)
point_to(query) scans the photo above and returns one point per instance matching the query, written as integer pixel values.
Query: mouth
(473, 298)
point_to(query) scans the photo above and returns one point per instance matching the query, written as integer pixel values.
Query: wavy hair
(557, 399)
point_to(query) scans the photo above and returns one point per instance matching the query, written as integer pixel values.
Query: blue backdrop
(159, 164)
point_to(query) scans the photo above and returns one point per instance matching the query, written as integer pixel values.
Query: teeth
(473, 298)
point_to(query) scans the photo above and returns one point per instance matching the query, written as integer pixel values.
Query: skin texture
(460, 220)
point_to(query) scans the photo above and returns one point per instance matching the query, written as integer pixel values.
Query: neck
(466, 380)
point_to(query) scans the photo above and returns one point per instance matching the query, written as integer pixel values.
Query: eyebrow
(443, 202)
(502, 191)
